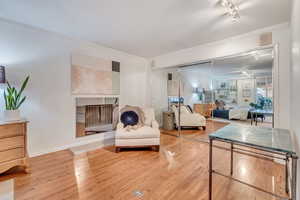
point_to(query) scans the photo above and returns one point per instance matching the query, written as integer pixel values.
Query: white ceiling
(146, 28)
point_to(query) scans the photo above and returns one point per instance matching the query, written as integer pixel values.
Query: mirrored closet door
(197, 97)
(243, 88)
(194, 100)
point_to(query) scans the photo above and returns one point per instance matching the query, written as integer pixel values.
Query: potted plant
(13, 101)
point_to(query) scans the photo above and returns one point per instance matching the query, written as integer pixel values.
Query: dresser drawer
(10, 130)
(11, 154)
(11, 143)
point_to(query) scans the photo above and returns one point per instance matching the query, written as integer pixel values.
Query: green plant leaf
(12, 96)
(9, 102)
(12, 102)
(24, 84)
(8, 84)
(23, 99)
(5, 98)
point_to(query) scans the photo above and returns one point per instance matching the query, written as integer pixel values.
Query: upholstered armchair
(147, 135)
(188, 118)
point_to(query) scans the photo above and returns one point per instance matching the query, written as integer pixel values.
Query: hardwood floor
(212, 125)
(178, 171)
(198, 134)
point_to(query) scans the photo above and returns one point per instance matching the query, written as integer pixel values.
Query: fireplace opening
(95, 115)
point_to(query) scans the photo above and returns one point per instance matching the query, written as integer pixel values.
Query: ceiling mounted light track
(231, 9)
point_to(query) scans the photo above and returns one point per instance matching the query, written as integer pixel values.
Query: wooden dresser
(13, 146)
(204, 109)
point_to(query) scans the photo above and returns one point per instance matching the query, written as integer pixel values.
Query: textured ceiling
(146, 28)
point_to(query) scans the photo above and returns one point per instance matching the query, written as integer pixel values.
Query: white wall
(236, 45)
(194, 79)
(295, 80)
(159, 95)
(50, 107)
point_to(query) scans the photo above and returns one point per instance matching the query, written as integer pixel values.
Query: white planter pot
(12, 115)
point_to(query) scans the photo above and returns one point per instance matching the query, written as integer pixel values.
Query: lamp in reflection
(198, 92)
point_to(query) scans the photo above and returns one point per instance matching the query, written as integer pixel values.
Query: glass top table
(261, 111)
(275, 141)
(262, 137)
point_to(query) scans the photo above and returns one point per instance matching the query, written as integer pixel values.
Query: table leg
(294, 178)
(251, 118)
(255, 119)
(287, 174)
(231, 159)
(210, 169)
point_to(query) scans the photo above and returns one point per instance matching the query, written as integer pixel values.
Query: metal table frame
(290, 181)
(255, 113)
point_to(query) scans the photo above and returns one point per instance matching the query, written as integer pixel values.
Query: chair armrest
(154, 124)
(120, 125)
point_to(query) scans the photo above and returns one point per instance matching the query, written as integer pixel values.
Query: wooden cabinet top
(22, 121)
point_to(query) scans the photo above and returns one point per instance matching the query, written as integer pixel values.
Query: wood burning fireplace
(95, 115)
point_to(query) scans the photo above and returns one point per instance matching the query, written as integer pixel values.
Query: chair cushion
(143, 132)
(184, 110)
(194, 119)
(149, 116)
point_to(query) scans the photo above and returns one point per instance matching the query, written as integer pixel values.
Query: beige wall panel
(90, 81)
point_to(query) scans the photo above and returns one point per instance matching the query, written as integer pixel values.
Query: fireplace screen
(95, 115)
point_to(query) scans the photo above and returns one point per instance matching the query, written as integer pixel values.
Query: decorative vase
(12, 115)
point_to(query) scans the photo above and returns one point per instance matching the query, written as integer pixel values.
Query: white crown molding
(252, 33)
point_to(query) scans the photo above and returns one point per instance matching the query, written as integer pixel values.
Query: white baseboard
(76, 144)
(92, 146)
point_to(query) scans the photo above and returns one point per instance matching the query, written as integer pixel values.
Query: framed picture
(94, 76)
(246, 93)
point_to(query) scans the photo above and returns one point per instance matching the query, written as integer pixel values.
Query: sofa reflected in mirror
(188, 118)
